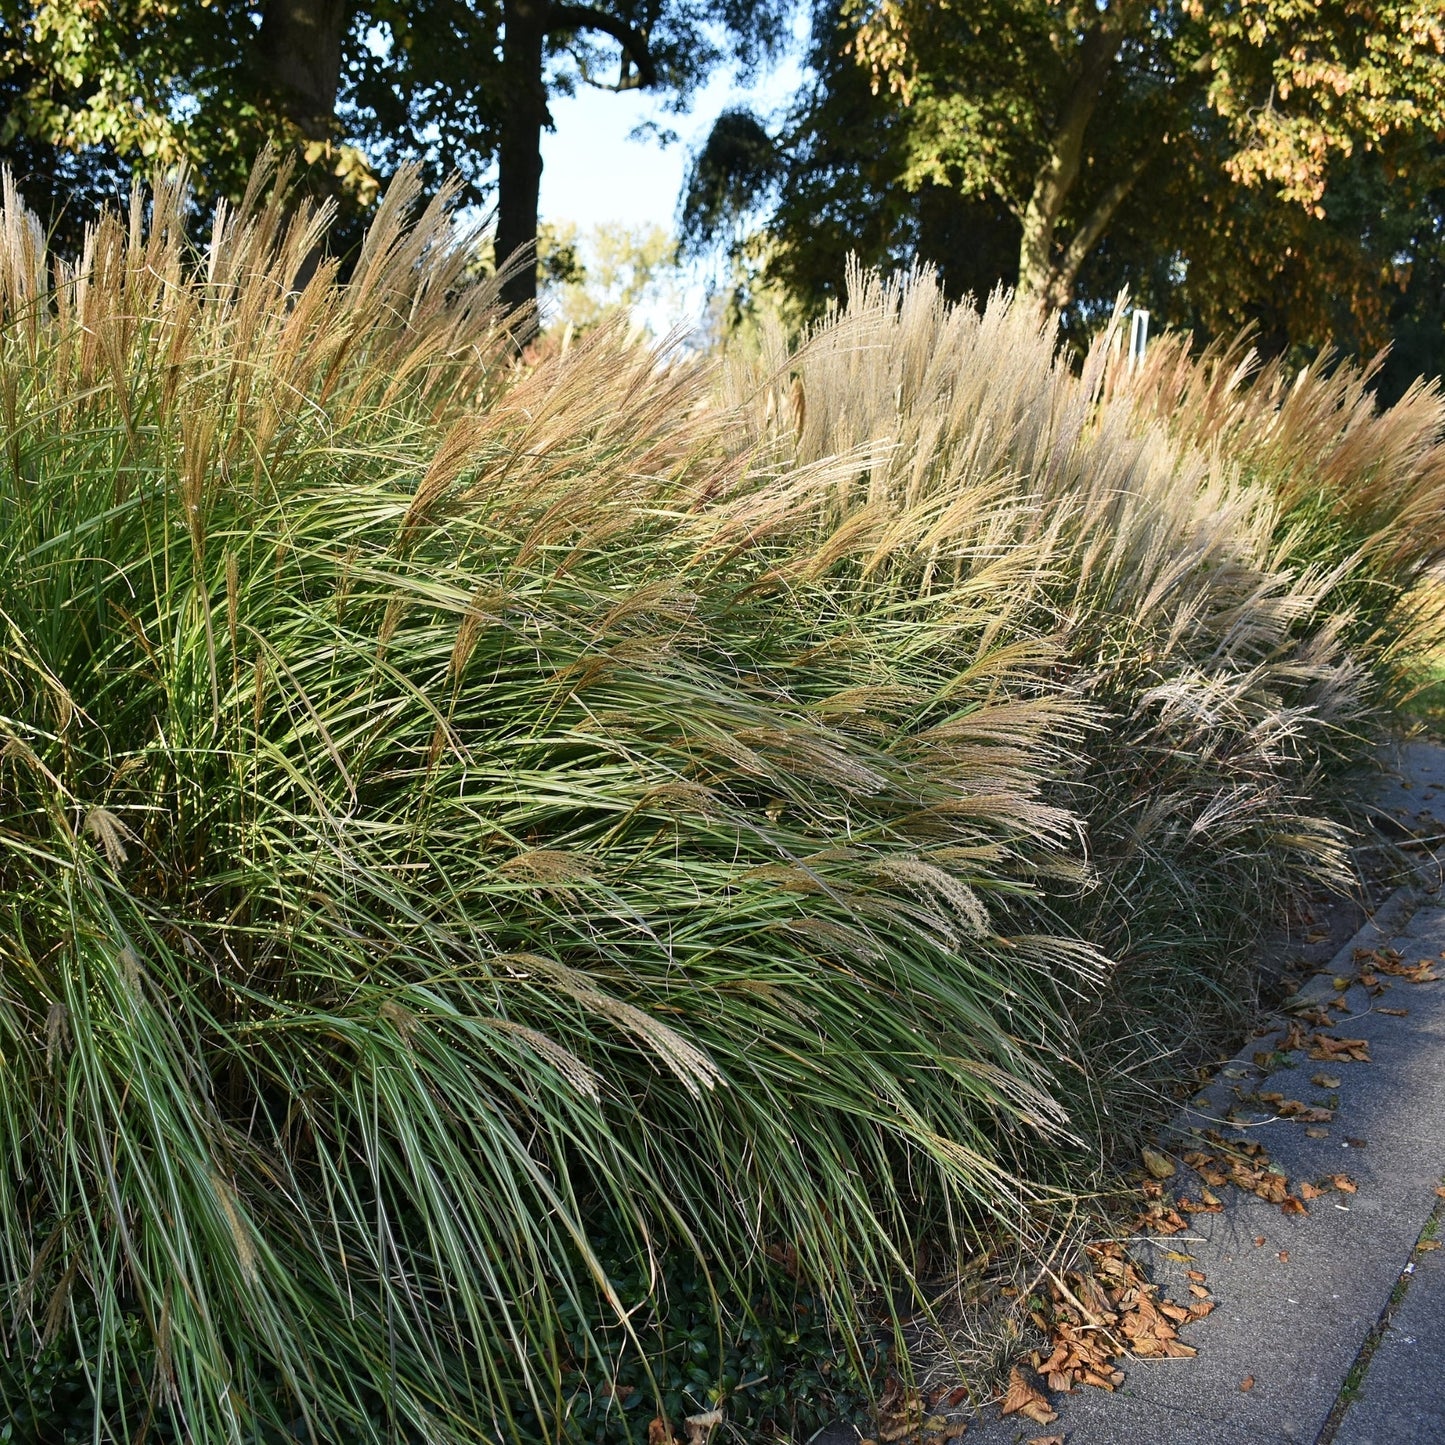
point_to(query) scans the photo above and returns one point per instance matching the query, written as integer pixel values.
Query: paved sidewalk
(1295, 1310)
(1402, 1394)
(1330, 1327)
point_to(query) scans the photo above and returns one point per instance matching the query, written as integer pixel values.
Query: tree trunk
(298, 50)
(1040, 274)
(519, 151)
(298, 57)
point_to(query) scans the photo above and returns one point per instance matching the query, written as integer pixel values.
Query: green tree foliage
(1059, 109)
(791, 210)
(87, 92)
(1234, 162)
(1366, 275)
(610, 270)
(362, 88)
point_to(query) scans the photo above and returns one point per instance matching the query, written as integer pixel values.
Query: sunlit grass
(488, 853)
(1424, 701)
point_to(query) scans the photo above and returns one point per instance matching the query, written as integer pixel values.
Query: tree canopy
(1275, 162)
(360, 86)
(1244, 161)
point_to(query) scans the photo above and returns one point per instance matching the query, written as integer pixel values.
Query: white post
(1138, 337)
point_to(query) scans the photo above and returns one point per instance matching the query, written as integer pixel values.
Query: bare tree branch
(633, 41)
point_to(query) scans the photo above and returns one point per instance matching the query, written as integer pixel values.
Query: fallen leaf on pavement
(1160, 1166)
(1318, 1133)
(1337, 1050)
(1207, 1205)
(1326, 1081)
(1284, 1256)
(1395, 1013)
(1247, 1383)
(1294, 1109)
(1388, 960)
(1244, 1163)
(1026, 1399)
(1344, 1183)
(1427, 1246)
(1046, 1440)
(1159, 1218)
(1107, 1309)
(935, 1429)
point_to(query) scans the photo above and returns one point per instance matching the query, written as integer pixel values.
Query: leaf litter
(1107, 1310)
(907, 1413)
(1388, 960)
(1092, 1318)
(1245, 1163)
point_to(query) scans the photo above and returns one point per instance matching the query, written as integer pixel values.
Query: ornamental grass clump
(440, 882)
(1360, 488)
(522, 884)
(1231, 626)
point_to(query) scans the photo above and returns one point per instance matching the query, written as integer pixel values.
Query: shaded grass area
(1423, 699)
(1426, 701)
(540, 898)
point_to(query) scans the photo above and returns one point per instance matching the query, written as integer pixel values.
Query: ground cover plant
(529, 890)
(1427, 704)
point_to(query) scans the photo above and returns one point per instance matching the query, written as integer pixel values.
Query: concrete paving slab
(1294, 1310)
(1094, 1418)
(1402, 1397)
(1412, 790)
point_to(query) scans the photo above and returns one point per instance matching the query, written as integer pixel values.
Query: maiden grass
(476, 837)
